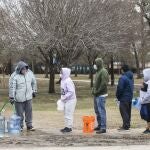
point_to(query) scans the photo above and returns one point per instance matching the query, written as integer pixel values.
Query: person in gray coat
(22, 88)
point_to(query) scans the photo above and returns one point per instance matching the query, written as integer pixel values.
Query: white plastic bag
(60, 105)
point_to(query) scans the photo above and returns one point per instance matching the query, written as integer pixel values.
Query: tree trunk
(33, 66)
(91, 74)
(46, 70)
(137, 61)
(52, 74)
(76, 71)
(112, 71)
(10, 66)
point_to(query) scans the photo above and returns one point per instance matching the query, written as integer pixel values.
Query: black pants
(125, 111)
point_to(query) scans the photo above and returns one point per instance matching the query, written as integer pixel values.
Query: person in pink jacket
(68, 97)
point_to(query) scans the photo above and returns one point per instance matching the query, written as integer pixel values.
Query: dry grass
(44, 106)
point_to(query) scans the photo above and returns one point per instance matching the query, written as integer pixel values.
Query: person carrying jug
(68, 97)
(145, 99)
(124, 94)
(22, 88)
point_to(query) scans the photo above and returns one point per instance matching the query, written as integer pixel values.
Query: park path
(133, 147)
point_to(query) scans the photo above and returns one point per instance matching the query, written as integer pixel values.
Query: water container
(60, 105)
(13, 124)
(136, 103)
(88, 124)
(2, 126)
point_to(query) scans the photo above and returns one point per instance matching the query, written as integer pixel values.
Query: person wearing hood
(22, 88)
(145, 99)
(100, 93)
(68, 97)
(124, 94)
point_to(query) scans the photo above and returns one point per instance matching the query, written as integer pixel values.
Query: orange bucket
(88, 124)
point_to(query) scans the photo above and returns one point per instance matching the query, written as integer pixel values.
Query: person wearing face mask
(100, 93)
(22, 88)
(68, 97)
(145, 100)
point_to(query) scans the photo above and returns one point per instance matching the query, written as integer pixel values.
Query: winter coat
(125, 87)
(21, 87)
(67, 86)
(101, 79)
(146, 96)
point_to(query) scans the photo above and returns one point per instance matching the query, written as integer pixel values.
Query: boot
(147, 131)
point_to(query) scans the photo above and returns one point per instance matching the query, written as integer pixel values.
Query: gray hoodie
(22, 86)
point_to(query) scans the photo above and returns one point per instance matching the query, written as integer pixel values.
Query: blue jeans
(99, 106)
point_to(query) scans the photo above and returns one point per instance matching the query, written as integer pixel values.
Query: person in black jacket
(124, 95)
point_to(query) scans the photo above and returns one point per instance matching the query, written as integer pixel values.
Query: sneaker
(66, 130)
(147, 131)
(97, 128)
(123, 129)
(30, 128)
(21, 129)
(101, 131)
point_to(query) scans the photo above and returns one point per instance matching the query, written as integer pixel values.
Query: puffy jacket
(67, 86)
(21, 86)
(146, 96)
(125, 87)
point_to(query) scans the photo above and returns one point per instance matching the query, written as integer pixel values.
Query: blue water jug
(13, 124)
(136, 103)
(2, 125)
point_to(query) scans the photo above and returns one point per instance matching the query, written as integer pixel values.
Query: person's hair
(125, 68)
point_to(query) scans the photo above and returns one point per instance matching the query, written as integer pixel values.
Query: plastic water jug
(136, 103)
(2, 126)
(60, 105)
(13, 124)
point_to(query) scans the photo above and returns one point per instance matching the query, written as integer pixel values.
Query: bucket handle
(2, 108)
(5, 104)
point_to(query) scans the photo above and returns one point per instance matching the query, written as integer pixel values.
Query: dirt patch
(47, 134)
(41, 138)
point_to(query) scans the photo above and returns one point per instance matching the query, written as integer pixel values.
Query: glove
(34, 94)
(12, 100)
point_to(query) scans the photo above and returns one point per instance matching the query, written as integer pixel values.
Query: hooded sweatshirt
(146, 95)
(125, 87)
(101, 79)
(67, 86)
(22, 86)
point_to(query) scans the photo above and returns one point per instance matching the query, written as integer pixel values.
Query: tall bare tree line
(71, 29)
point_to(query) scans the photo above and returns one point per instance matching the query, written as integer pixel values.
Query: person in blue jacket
(124, 95)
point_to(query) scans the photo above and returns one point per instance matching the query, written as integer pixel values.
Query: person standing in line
(68, 97)
(145, 100)
(22, 88)
(100, 93)
(124, 94)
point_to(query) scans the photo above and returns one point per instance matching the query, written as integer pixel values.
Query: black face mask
(145, 87)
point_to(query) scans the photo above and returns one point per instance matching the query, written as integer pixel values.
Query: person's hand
(12, 100)
(34, 94)
(63, 98)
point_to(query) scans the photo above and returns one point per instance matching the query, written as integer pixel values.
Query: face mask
(95, 67)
